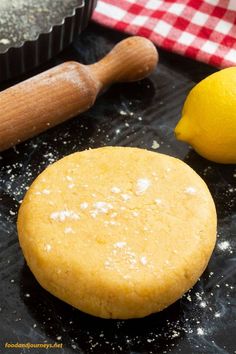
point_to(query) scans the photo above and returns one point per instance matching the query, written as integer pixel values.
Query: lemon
(208, 121)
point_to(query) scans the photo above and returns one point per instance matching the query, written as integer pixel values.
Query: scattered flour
(155, 145)
(224, 245)
(203, 304)
(200, 331)
(217, 314)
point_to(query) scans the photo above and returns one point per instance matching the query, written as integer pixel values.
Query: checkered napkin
(202, 30)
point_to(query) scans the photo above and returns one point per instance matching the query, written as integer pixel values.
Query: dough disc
(117, 232)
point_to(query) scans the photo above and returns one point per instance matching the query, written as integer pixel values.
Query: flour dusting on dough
(102, 207)
(158, 201)
(120, 244)
(190, 190)
(115, 190)
(125, 197)
(84, 205)
(143, 260)
(46, 191)
(68, 230)
(47, 247)
(142, 185)
(63, 215)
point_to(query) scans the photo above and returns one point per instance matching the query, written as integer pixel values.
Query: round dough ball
(117, 232)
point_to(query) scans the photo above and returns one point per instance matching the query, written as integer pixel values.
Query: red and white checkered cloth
(203, 30)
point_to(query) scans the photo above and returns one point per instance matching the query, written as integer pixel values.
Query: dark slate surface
(130, 115)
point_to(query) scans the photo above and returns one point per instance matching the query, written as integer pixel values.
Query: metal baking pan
(32, 32)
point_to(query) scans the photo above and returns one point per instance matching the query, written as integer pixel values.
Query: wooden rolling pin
(64, 91)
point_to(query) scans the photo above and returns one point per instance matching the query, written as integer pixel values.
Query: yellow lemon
(208, 120)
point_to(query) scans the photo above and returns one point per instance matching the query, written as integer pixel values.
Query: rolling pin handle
(130, 60)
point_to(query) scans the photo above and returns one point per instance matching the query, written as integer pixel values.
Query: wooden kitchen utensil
(64, 91)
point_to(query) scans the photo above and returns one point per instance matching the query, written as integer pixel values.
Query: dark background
(133, 114)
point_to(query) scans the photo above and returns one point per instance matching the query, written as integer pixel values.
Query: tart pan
(17, 58)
